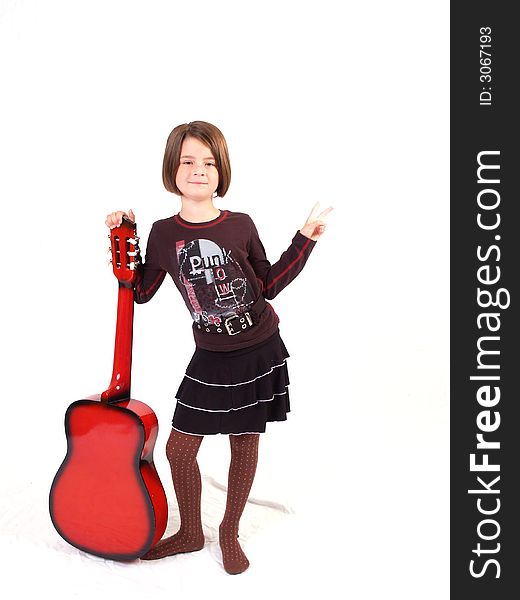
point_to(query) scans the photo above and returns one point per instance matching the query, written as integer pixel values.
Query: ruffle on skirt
(234, 392)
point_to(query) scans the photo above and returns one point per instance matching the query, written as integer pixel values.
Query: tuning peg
(110, 262)
(110, 249)
(109, 236)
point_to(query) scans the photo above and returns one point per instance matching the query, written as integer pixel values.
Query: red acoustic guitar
(107, 498)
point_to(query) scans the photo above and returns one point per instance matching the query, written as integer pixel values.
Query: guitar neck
(119, 387)
(124, 249)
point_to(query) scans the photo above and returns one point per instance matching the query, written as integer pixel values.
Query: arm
(275, 277)
(150, 274)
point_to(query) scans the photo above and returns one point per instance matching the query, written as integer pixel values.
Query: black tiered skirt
(234, 392)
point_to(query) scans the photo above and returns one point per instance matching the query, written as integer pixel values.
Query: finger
(313, 212)
(131, 215)
(321, 225)
(119, 217)
(325, 212)
(114, 219)
(319, 231)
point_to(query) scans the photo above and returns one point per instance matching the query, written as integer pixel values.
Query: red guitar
(106, 497)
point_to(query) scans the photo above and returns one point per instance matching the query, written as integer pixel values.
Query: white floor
(364, 530)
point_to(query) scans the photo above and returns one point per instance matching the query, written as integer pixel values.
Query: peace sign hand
(315, 224)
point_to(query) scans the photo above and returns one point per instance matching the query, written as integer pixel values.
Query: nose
(199, 169)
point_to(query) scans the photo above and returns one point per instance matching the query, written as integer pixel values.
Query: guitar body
(107, 498)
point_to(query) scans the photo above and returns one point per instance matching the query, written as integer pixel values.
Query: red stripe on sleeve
(150, 288)
(289, 267)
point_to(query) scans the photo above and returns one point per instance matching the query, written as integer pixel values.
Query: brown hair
(209, 135)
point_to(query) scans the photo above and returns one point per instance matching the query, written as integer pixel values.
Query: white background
(345, 103)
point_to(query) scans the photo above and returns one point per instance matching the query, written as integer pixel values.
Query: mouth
(198, 182)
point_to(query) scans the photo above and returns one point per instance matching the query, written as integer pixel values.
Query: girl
(237, 378)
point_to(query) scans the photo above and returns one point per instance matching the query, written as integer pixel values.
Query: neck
(119, 387)
(197, 211)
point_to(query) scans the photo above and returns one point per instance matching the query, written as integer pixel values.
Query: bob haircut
(209, 135)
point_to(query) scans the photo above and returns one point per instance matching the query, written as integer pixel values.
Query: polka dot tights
(242, 469)
(181, 451)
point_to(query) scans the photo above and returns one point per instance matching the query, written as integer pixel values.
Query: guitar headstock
(124, 247)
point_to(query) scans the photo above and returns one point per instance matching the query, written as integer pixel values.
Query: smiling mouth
(198, 182)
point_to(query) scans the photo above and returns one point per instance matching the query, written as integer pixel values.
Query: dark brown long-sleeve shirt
(220, 268)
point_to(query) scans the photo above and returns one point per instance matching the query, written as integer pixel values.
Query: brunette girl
(237, 378)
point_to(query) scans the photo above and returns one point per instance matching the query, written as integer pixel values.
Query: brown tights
(181, 451)
(242, 469)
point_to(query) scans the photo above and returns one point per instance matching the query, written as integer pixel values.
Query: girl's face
(197, 175)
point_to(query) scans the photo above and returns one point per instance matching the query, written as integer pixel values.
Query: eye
(186, 162)
(210, 164)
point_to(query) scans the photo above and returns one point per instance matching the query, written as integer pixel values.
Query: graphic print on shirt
(215, 283)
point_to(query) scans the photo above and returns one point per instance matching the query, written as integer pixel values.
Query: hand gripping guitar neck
(107, 498)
